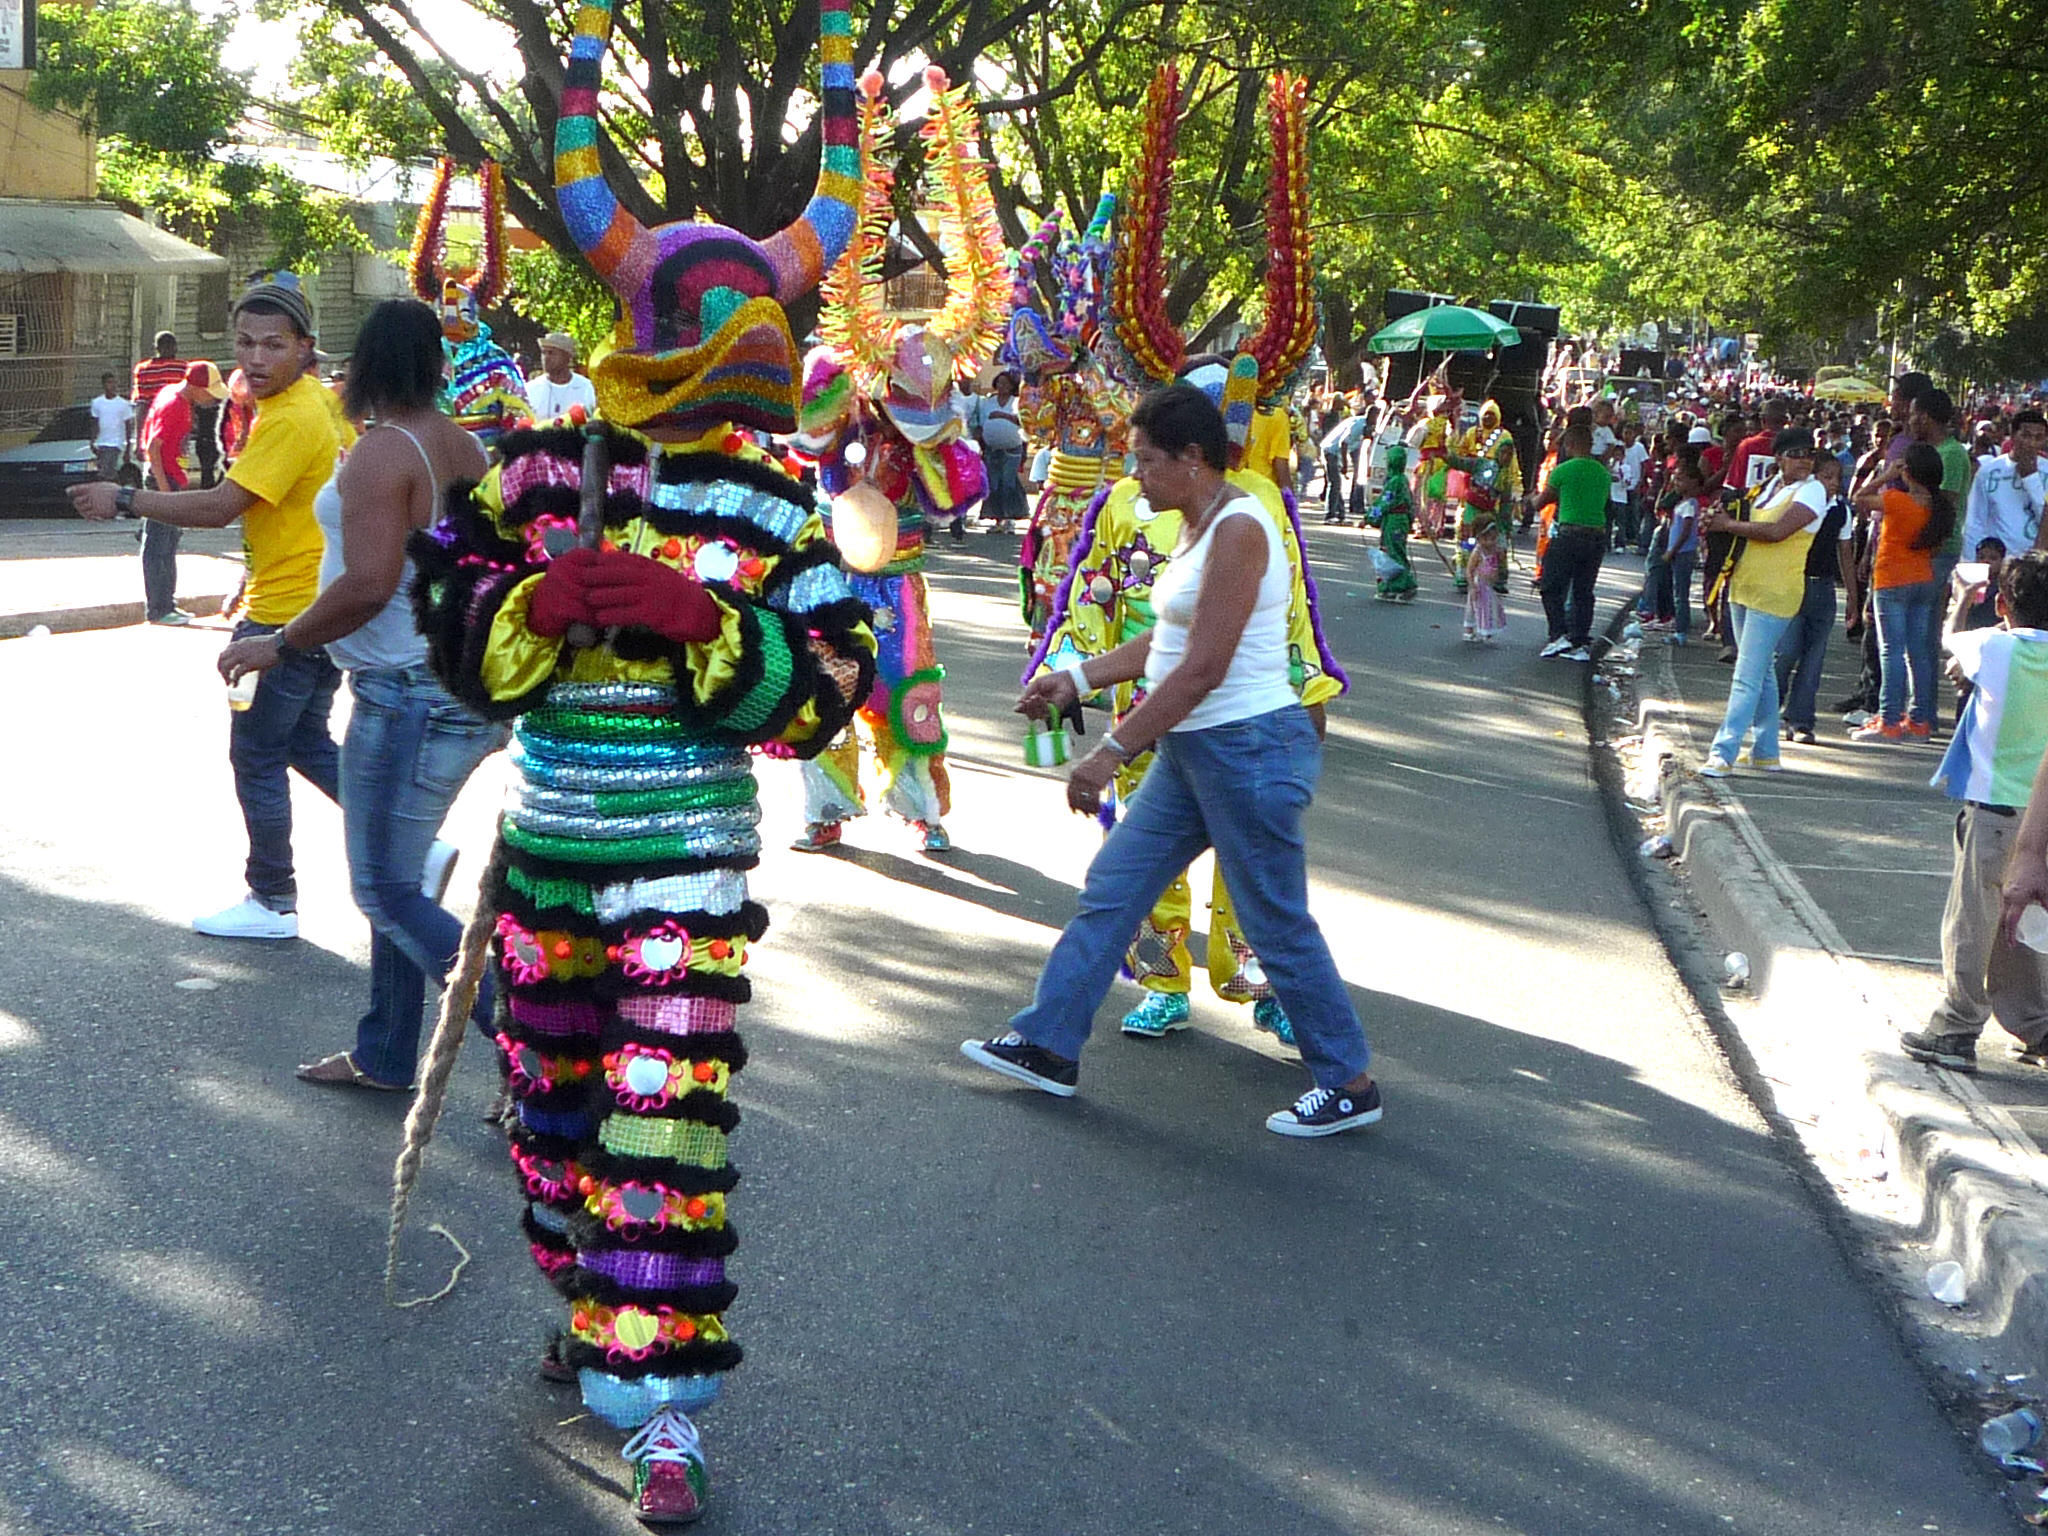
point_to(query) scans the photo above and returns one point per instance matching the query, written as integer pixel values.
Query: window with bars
(67, 328)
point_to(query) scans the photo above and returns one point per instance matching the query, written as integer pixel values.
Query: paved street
(1568, 1286)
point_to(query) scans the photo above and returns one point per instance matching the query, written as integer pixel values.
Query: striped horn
(805, 251)
(618, 246)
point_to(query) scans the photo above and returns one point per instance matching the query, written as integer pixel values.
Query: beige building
(83, 286)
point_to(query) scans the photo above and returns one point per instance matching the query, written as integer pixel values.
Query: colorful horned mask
(458, 297)
(1146, 347)
(702, 337)
(1079, 270)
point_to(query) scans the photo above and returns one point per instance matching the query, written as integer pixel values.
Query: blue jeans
(284, 727)
(1681, 591)
(1240, 788)
(1802, 651)
(1753, 695)
(409, 751)
(1005, 499)
(1333, 485)
(159, 567)
(1937, 614)
(1904, 627)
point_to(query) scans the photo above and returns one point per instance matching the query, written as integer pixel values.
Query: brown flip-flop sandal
(340, 1071)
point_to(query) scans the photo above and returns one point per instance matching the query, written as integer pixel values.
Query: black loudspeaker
(1641, 362)
(1547, 318)
(1405, 301)
(1526, 362)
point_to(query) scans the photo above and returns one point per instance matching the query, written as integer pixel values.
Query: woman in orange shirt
(1914, 516)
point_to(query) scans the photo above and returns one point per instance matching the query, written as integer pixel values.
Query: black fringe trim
(751, 920)
(691, 1359)
(722, 1045)
(611, 986)
(608, 1292)
(587, 1231)
(566, 442)
(683, 1178)
(540, 1236)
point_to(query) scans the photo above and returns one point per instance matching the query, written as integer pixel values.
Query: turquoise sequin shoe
(1267, 1014)
(1160, 1014)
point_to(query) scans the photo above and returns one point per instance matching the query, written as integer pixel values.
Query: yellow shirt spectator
(1268, 443)
(290, 455)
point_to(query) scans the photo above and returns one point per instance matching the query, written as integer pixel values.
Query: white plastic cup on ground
(1945, 1283)
(2010, 1433)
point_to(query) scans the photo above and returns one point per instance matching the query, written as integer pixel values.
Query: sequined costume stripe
(620, 886)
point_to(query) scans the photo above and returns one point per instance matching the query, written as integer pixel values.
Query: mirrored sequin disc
(646, 1075)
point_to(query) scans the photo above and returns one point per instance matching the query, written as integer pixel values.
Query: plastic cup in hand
(2010, 1433)
(2032, 928)
(242, 691)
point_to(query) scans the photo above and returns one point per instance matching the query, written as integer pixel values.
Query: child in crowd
(1394, 515)
(1989, 767)
(1485, 615)
(1681, 538)
(1983, 613)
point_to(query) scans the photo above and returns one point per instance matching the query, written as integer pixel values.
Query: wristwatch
(1116, 748)
(124, 501)
(285, 648)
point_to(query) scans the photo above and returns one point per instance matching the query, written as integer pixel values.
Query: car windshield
(71, 423)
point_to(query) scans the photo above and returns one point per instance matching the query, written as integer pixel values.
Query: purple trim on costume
(1308, 581)
(645, 1271)
(555, 1018)
(1084, 543)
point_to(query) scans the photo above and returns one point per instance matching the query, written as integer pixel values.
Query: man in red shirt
(153, 373)
(1753, 458)
(164, 431)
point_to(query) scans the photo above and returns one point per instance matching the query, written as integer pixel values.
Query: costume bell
(722, 626)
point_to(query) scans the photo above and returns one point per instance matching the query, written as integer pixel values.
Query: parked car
(34, 477)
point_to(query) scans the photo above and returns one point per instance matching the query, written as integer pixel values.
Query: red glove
(562, 596)
(633, 591)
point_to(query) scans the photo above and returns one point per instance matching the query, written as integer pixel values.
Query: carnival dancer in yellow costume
(1069, 401)
(1125, 542)
(1429, 447)
(878, 420)
(647, 637)
(1493, 488)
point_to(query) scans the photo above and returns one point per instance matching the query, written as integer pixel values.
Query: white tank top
(1257, 682)
(391, 638)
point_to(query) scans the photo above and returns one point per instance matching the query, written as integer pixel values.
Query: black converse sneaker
(1956, 1052)
(1014, 1056)
(1326, 1111)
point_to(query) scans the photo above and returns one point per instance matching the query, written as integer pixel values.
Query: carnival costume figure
(649, 598)
(1493, 488)
(878, 420)
(483, 390)
(1125, 542)
(1394, 515)
(1431, 442)
(1069, 401)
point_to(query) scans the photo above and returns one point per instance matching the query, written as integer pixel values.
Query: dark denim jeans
(1571, 568)
(1240, 788)
(1681, 591)
(160, 567)
(1005, 499)
(1904, 630)
(410, 749)
(284, 727)
(1803, 649)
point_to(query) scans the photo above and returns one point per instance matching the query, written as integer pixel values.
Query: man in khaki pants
(1990, 767)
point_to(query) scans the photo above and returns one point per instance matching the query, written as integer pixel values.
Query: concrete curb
(1882, 1136)
(63, 621)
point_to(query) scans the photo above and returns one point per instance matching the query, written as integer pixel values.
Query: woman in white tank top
(410, 746)
(1238, 759)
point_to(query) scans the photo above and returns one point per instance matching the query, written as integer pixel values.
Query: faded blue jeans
(284, 727)
(1753, 695)
(410, 749)
(1905, 619)
(1240, 788)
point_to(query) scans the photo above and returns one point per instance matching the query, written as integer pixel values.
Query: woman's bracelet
(1115, 748)
(1078, 671)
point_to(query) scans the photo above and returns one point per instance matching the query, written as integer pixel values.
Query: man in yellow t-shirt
(290, 455)
(1269, 450)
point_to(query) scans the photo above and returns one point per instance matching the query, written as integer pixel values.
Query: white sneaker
(1716, 768)
(248, 919)
(1858, 718)
(1556, 647)
(1577, 653)
(438, 870)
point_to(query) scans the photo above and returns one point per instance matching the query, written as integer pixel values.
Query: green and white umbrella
(1445, 328)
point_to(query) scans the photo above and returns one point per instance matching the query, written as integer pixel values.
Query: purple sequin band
(642, 1271)
(556, 1018)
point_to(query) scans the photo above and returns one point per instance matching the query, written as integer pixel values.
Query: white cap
(1699, 435)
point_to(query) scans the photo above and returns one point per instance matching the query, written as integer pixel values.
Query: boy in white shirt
(114, 420)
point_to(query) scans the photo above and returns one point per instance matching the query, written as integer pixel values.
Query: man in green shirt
(1934, 423)
(1571, 566)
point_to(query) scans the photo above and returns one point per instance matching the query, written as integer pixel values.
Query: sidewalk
(68, 574)
(1830, 879)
